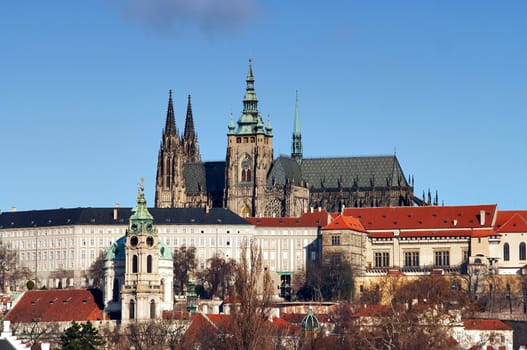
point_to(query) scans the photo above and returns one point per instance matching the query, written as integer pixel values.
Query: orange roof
(504, 215)
(485, 325)
(211, 324)
(345, 222)
(517, 222)
(58, 305)
(425, 233)
(309, 219)
(371, 310)
(433, 217)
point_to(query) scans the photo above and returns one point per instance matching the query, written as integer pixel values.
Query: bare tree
(218, 276)
(184, 262)
(254, 292)
(35, 332)
(8, 265)
(96, 271)
(160, 334)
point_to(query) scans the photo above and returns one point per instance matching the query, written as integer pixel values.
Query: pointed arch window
(149, 264)
(152, 309)
(506, 252)
(522, 251)
(248, 175)
(131, 310)
(134, 263)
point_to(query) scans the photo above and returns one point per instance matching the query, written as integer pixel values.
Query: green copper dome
(310, 322)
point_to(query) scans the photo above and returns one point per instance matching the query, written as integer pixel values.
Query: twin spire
(170, 127)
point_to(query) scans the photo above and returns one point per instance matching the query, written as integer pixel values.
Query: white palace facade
(381, 241)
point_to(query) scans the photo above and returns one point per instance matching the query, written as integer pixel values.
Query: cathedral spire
(170, 126)
(250, 122)
(296, 147)
(190, 139)
(189, 132)
(250, 101)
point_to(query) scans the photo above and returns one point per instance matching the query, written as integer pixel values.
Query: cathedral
(251, 182)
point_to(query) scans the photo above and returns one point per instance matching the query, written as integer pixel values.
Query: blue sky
(84, 90)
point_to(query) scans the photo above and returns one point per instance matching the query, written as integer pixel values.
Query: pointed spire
(189, 132)
(250, 101)
(296, 147)
(170, 126)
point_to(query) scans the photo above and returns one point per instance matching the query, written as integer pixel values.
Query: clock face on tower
(150, 241)
(134, 241)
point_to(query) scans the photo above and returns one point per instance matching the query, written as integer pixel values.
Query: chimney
(482, 217)
(116, 212)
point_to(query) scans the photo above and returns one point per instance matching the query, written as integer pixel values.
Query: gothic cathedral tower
(249, 157)
(175, 151)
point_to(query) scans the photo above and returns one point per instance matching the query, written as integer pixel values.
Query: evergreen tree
(81, 337)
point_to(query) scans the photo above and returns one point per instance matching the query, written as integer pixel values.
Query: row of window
(521, 251)
(411, 259)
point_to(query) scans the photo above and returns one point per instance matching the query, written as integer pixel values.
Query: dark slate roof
(327, 172)
(195, 180)
(6, 345)
(208, 177)
(284, 168)
(104, 216)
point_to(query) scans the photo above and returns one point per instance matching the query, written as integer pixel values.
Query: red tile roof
(504, 215)
(203, 324)
(314, 219)
(345, 222)
(433, 217)
(371, 310)
(517, 222)
(425, 233)
(485, 325)
(58, 306)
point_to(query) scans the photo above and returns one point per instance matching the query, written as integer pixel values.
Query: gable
(516, 223)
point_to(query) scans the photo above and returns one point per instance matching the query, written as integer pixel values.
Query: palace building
(252, 183)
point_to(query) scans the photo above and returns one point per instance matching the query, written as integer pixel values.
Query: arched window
(152, 309)
(506, 253)
(132, 310)
(134, 264)
(248, 176)
(149, 264)
(522, 251)
(244, 176)
(115, 292)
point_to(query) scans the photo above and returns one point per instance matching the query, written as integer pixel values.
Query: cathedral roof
(367, 171)
(345, 172)
(284, 169)
(207, 177)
